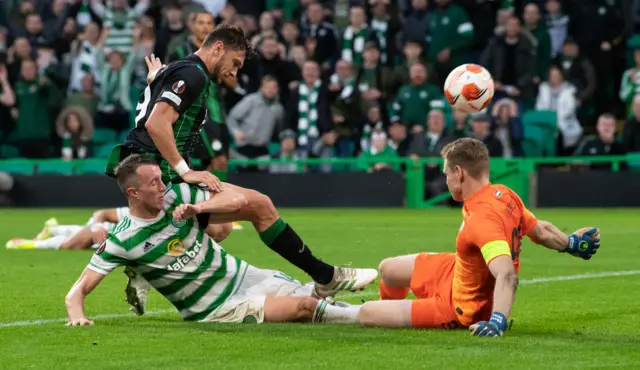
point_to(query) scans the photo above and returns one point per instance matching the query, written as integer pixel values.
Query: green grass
(590, 323)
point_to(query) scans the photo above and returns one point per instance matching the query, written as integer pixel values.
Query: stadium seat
(9, 151)
(55, 167)
(104, 135)
(274, 148)
(103, 151)
(91, 166)
(18, 166)
(540, 128)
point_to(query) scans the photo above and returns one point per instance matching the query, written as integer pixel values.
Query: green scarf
(353, 45)
(380, 26)
(365, 140)
(308, 113)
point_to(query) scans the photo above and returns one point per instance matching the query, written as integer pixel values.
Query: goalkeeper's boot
(237, 226)
(46, 231)
(136, 291)
(345, 279)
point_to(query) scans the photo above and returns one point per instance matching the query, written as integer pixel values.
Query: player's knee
(366, 315)
(387, 270)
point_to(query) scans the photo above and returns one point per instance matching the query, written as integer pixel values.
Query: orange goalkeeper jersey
(494, 220)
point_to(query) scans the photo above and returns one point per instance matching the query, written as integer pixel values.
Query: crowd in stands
(334, 78)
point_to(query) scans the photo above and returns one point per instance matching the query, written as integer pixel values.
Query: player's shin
(329, 314)
(282, 239)
(386, 314)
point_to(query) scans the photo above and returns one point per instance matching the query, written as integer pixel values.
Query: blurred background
(349, 92)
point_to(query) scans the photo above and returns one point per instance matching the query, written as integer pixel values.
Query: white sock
(326, 313)
(53, 242)
(65, 230)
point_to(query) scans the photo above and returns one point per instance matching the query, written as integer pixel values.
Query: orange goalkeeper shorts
(431, 283)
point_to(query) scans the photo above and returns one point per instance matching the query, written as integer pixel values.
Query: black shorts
(215, 142)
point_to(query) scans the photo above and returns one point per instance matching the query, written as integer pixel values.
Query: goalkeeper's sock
(281, 238)
(326, 313)
(53, 242)
(392, 292)
(222, 175)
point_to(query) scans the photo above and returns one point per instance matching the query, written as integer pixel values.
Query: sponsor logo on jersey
(175, 247)
(102, 247)
(179, 87)
(180, 262)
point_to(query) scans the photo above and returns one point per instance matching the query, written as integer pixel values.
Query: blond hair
(470, 154)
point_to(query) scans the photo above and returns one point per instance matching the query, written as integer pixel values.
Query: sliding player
(73, 237)
(475, 286)
(169, 117)
(194, 273)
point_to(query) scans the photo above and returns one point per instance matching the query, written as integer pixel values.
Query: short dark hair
(126, 169)
(231, 36)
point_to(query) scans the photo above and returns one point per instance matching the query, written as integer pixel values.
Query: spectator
(481, 130)
(374, 121)
(510, 58)
(559, 96)
(291, 38)
(62, 28)
(596, 26)
(380, 156)
(268, 61)
(34, 28)
(385, 29)
(6, 185)
(115, 104)
(322, 35)
(85, 55)
(578, 71)
(450, 36)
(429, 144)
(416, 25)
(372, 79)
(538, 29)
(201, 26)
(414, 101)
(504, 14)
(33, 129)
(604, 143)
(460, 124)
(341, 13)
(21, 50)
(287, 153)
(172, 31)
(345, 107)
(483, 16)
(7, 100)
(75, 127)
(309, 116)
(507, 127)
(400, 74)
(631, 130)
(355, 36)
(120, 20)
(283, 9)
(253, 121)
(557, 24)
(630, 85)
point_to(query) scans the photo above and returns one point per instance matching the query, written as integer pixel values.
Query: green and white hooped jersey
(176, 257)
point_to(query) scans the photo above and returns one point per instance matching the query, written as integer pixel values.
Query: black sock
(281, 238)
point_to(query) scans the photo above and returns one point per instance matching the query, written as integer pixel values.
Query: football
(469, 87)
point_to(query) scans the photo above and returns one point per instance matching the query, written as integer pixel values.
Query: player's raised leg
(395, 276)
(281, 238)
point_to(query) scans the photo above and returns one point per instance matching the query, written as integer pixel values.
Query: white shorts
(247, 303)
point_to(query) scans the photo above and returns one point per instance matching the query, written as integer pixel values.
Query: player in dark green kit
(169, 116)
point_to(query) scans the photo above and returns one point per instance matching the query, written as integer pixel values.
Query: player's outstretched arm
(502, 269)
(74, 300)
(583, 243)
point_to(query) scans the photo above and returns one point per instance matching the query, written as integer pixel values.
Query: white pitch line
(349, 295)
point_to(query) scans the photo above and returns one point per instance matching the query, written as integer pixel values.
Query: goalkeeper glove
(584, 243)
(495, 327)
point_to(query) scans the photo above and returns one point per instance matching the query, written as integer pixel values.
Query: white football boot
(345, 279)
(136, 291)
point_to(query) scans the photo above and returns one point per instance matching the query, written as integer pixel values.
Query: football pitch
(568, 313)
